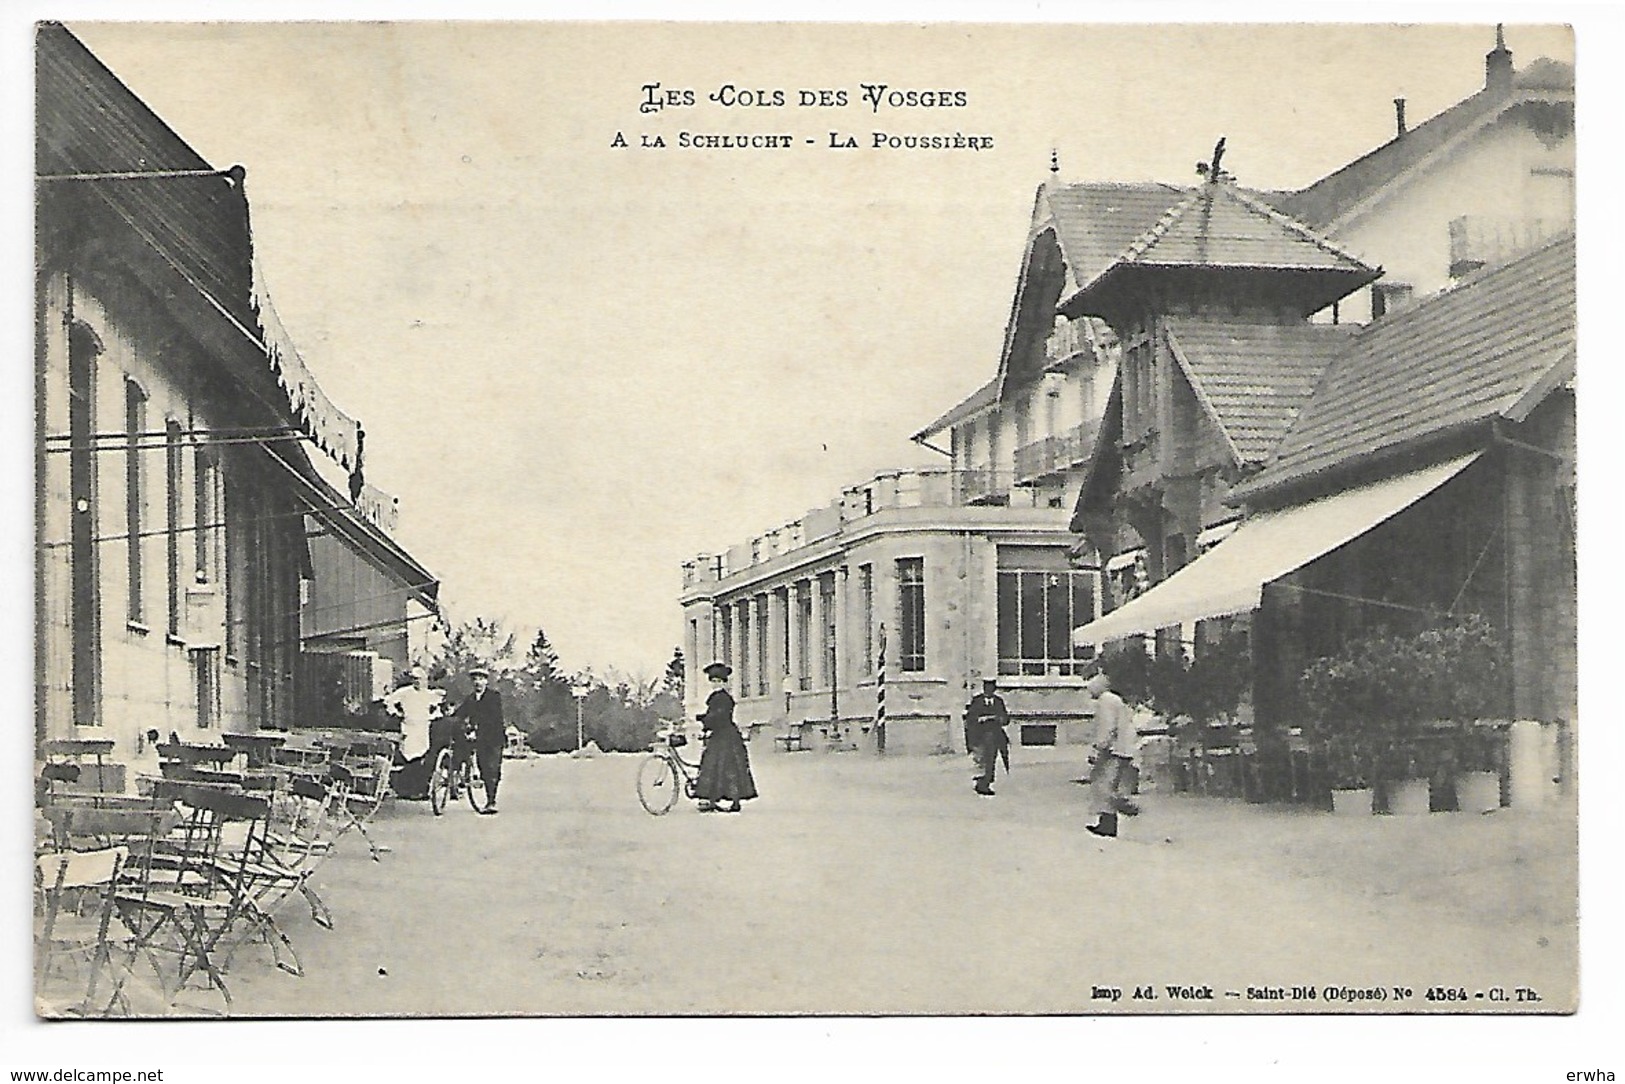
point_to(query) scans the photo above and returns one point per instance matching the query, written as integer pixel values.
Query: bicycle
(456, 772)
(659, 773)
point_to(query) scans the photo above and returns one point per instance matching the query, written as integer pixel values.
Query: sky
(580, 365)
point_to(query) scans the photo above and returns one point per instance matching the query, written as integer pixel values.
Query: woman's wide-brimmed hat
(719, 670)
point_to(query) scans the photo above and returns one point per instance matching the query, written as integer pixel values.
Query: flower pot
(1407, 797)
(1478, 792)
(1352, 803)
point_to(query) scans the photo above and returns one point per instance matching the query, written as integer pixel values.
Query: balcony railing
(1068, 340)
(888, 491)
(1480, 240)
(1036, 461)
(982, 485)
(1073, 447)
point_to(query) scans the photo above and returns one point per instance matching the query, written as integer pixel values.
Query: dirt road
(863, 886)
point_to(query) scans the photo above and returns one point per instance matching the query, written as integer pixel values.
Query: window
(781, 603)
(1387, 297)
(743, 606)
(911, 613)
(172, 523)
(135, 424)
(206, 671)
(725, 634)
(761, 645)
(804, 635)
(83, 348)
(207, 530)
(691, 653)
(231, 509)
(826, 595)
(1138, 378)
(1041, 600)
(866, 616)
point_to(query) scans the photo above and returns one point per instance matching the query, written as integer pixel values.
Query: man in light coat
(1115, 741)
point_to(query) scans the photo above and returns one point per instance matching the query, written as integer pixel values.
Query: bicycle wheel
(440, 783)
(657, 785)
(476, 785)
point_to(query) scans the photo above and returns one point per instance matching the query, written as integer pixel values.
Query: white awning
(1230, 578)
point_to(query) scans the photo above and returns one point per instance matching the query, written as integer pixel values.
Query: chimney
(1498, 64)
(1399, 117)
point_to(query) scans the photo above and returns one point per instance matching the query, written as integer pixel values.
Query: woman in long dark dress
(725, 765)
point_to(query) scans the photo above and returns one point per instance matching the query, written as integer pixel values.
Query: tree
(480, 642)
(672, 682)
(546, 707)
(541, 665)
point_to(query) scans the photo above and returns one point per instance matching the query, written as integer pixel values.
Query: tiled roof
(983, 396)
(1215, 225)
(1095, 222)
(1254, 378)
(1328, 198)
(1462, 357)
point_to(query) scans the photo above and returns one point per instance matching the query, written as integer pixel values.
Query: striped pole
(880, 693)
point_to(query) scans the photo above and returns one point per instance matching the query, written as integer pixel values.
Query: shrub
(1368, 701)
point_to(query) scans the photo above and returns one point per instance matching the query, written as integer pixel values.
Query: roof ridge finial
(1055, 161)
(1213, 171)
(1498, 63)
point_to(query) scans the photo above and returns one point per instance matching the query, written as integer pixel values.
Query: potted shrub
(1407, 788)
(1348, 761)
(1389, 690)
(1478, 766)
(1337, 694)
(1472, 677)
(1367, 703)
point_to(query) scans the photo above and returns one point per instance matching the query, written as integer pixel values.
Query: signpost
(880, 693)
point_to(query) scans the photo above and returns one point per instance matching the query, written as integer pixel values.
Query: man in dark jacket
(483, 711)
(985, 739)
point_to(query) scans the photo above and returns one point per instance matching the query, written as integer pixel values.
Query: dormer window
(1139, 390)
(1387, 297)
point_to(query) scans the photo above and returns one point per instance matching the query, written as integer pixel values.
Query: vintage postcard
(706, 519)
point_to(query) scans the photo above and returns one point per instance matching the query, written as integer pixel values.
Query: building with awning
(1230, 578)
(183, 446)
(1431, 475)
(1205, 417)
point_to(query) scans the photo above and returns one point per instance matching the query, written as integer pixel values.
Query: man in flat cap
(985, 739)
(483, 711)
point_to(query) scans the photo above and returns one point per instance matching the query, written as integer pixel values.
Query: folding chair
(76, 916)
(67, 757)
(371, 760)
(256, 749)
(184, 894)
(301, 836)
(266, 880)
(345, 784)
